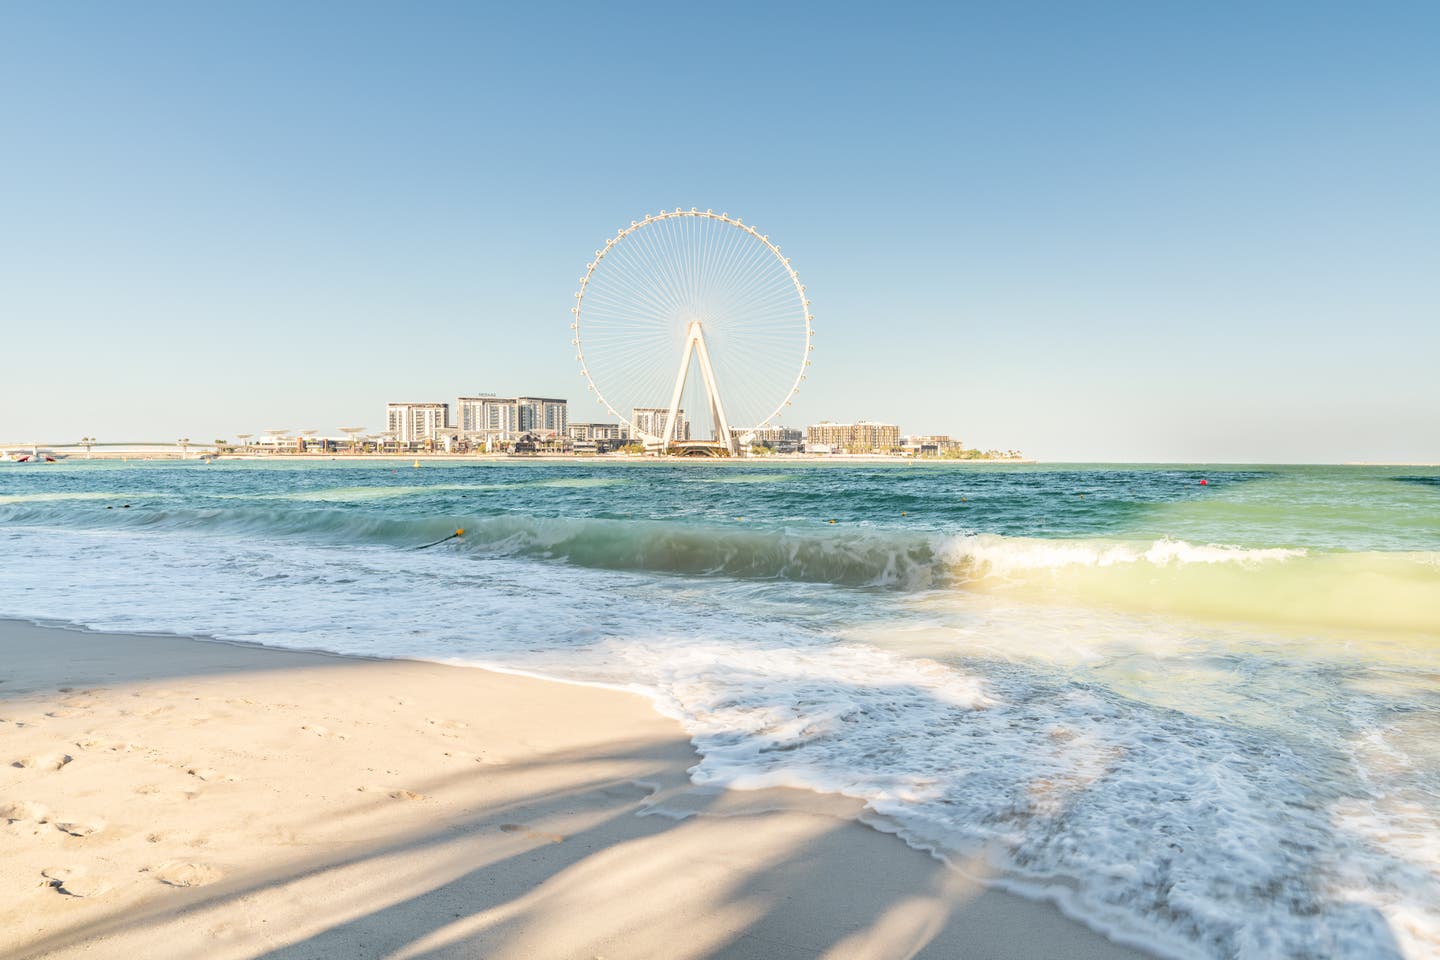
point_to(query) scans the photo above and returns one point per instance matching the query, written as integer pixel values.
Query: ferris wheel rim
(575, 311)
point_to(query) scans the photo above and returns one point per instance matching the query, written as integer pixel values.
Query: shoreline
(248, 800)
(776, 460)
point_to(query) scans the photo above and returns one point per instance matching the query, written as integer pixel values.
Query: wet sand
(167, 797)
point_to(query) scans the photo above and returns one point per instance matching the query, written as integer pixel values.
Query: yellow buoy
(416, 464)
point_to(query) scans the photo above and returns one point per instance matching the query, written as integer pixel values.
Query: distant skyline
(1120, 231)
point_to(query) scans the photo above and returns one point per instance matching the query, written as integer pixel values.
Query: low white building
(598, 431)
(930, 445)
(777, 438)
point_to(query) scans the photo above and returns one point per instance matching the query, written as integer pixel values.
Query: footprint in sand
(406, 795)
(531, 834)
(491, 761)
(209, 775)
(80, 828)
(185, 873)
(73, 881)
(24, 810)
(53, 761)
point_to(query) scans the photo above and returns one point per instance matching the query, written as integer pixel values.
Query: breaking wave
(1384, 590)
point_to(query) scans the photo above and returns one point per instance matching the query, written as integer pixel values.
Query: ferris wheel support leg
(717, 410)
(680, 376)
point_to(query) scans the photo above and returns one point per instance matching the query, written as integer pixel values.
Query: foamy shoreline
(170, 797)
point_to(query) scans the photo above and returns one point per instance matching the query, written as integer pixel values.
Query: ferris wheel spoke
(676, 254)
(756, 261)
(722, 238)
(686, 240)
(635, 273)
(616, 305)
(759, 279)
(649, 246)
(655, 243)
(776, 303)
(603, 310)
(637, 304)
(736, 264)
(716, 235)
(618, 299)
(612, 357)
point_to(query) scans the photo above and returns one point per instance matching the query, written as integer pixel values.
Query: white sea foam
(1196, 832)
(57, 497)
(988, 555)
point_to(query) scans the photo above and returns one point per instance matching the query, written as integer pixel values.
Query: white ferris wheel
(692, 288)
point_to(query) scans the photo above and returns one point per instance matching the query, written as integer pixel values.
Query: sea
(1197, 706)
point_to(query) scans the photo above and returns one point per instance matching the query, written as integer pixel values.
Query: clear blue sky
(1089, 230)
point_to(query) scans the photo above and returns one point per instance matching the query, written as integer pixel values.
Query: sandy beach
(168, 797)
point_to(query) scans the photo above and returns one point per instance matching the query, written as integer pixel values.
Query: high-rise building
(508, 418)
(490, 417)
(414, 422)
(651, 421)
(544, 415)
(862, 436)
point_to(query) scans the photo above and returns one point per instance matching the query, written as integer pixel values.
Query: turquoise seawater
(1204, 717)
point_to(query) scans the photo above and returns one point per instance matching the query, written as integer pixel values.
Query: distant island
(486, 425)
